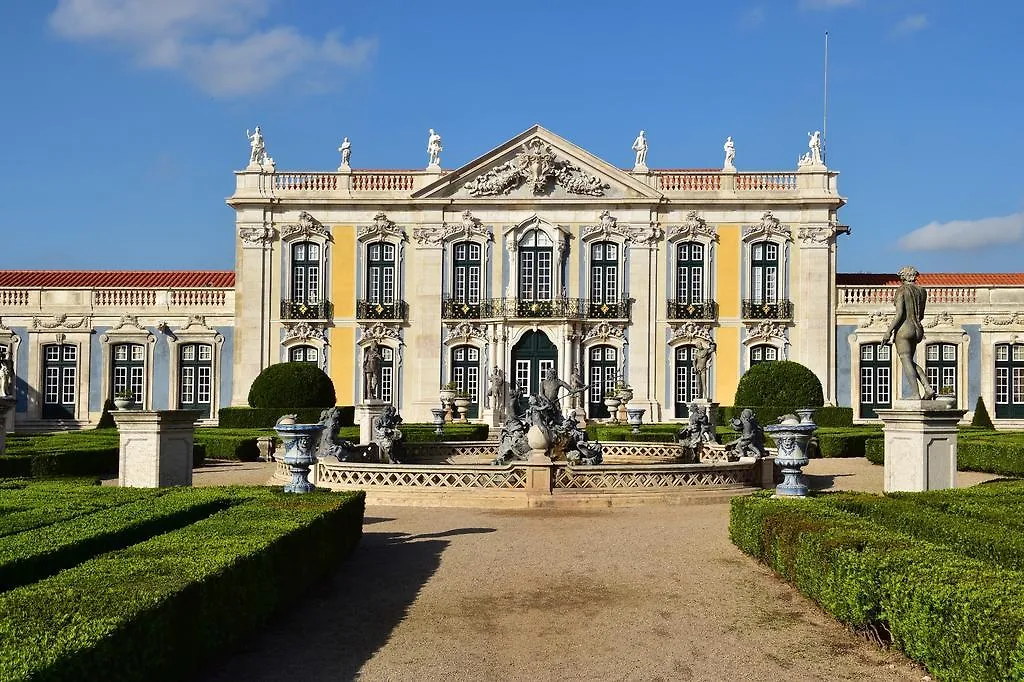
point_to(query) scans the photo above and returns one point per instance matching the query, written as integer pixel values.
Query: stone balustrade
(883, 295)
(767, 182)
(690, 182)
(133, 299)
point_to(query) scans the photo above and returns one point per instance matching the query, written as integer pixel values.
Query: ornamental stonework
(538, 167)
(462, 332)
(605, 331)
(693, 227)
(767, 330)
(606, 228)
(256, 236)
(61, 321)
(768, 227)
(304, 331)
(691, 331)
(381, 227)
(307, 227)
(378, 331)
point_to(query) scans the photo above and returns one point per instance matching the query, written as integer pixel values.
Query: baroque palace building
(536, 254)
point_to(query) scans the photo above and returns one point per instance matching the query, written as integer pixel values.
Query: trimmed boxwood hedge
(159, 609)
(780, 382)
(823, 416)
(32, 504)
(945, 588)
(265, 418)
(292, 385)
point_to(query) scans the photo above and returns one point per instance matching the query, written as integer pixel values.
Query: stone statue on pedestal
(434, 149)
(701, 361)
(730, 154)
(346, 154)
(640, 147)
(6, 379)
(498, 392)
(371, 370)
(386, 434)
(258, 149)
(814, 144)
(907, 331)
(577, 387)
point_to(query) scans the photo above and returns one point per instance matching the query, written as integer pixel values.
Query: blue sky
(123, 119)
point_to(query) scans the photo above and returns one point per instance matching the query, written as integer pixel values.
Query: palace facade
(537, 254)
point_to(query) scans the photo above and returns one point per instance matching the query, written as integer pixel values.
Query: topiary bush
(292, 384)
(981, 418)
(781, 383)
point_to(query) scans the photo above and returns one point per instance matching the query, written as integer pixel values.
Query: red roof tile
(935, 279)
(158, 279)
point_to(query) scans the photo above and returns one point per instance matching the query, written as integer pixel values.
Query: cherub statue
(751, 440)
(386, 433)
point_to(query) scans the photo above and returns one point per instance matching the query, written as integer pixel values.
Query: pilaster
(254, 274)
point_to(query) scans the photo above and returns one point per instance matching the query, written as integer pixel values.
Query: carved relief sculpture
(537, 166)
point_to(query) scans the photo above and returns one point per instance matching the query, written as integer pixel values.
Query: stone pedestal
(156, 447)
(6, 410)
(920, 445)
(366, 412)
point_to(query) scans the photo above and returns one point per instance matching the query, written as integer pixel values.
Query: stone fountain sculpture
(386, 434)
(698, 432)
(751, 439)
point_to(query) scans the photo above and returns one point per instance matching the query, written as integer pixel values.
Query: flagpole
(824, 115)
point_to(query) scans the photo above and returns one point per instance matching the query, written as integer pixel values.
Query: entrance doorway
(531, 358)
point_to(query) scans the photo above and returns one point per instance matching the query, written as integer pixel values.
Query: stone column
(813, 293)
(920, 445)
(6, 407)
(253, 289)
(156, 447)
(646, 290)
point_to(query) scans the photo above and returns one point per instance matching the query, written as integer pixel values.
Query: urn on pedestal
(791, 437)
(299, 451)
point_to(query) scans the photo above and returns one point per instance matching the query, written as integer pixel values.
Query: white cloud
(911, 24)
(827, 4)
(752, 18)
(216, 44)
(965, 234)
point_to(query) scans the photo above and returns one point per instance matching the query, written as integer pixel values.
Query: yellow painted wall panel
(343, 272)
(727, 263)
(343, 350)
(727, 364)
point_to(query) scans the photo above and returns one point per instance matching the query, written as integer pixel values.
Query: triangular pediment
(537, 164)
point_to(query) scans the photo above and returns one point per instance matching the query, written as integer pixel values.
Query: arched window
(128, 370)
(536, 256)
(306, 273)
(1010, 381)
(875, 379)
(940, 366)
(603, 370)
(304, 354)
(466, 272)
(60, 380)
(763, 353)
(380, 273)
(466, 375)
(764, 272)
(195, 377)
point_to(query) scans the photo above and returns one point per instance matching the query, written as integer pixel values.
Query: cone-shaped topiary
(292, 384)
(981, 418)
(782, 383)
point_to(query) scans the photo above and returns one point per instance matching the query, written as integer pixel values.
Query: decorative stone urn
(612, 403)
(791, 437)
(635, 416)
(438, 413)
(624, 393)
(806, 415)
(124, 402)
(299, 451)
(462, 403)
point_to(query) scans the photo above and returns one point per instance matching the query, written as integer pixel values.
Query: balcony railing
(298, 310)
(559, 308)
(682, 310)
(767, 310)
(375, 310)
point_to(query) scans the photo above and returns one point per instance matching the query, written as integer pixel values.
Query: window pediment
(382, 228)
(694, 227)
(307, 227)
(768, 228)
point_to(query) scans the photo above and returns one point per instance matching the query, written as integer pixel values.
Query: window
(604, 272)
(604, 367)
(685, 379)
(763, 353)
(195, 377)
(1010, 381)
(387, 374)
(466, 272)
(875, 379)
(466, 375)
(940, 366)
(380, 273)
(128, 370)
(304, 354)
(690, 272)
(764, 272)
(306, 273)
(536, 255)
(60, 380)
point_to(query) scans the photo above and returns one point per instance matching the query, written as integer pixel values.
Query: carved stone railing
(308, 182)
(11, 298)
(192, 298)
(383, 182)
(375, 310)
(771, 182)
(763, 310)
(484, 477)
(298, 310)
(883, 295)
(690, 182)
(645, 476)
(681, 310)
(555, 308)
(129, 298)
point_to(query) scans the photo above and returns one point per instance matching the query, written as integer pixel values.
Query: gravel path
(651, 593)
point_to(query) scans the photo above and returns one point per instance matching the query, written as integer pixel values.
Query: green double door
(532, 357)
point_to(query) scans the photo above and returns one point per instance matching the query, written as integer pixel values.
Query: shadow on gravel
(823, 481)
(336, 626)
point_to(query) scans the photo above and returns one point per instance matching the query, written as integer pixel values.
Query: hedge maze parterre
(126, 584)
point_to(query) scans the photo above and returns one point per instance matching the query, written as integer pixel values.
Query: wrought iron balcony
(555, 308)
(767, 310)
(683, 310)
(374, 310)
(298, 310)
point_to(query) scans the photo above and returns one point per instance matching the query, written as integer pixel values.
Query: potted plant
(624, 392)
(462, 402)
(124, 399)
(448, 392)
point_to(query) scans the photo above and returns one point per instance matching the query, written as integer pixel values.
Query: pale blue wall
(96, 369)
(844, 364)
(974, 367)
